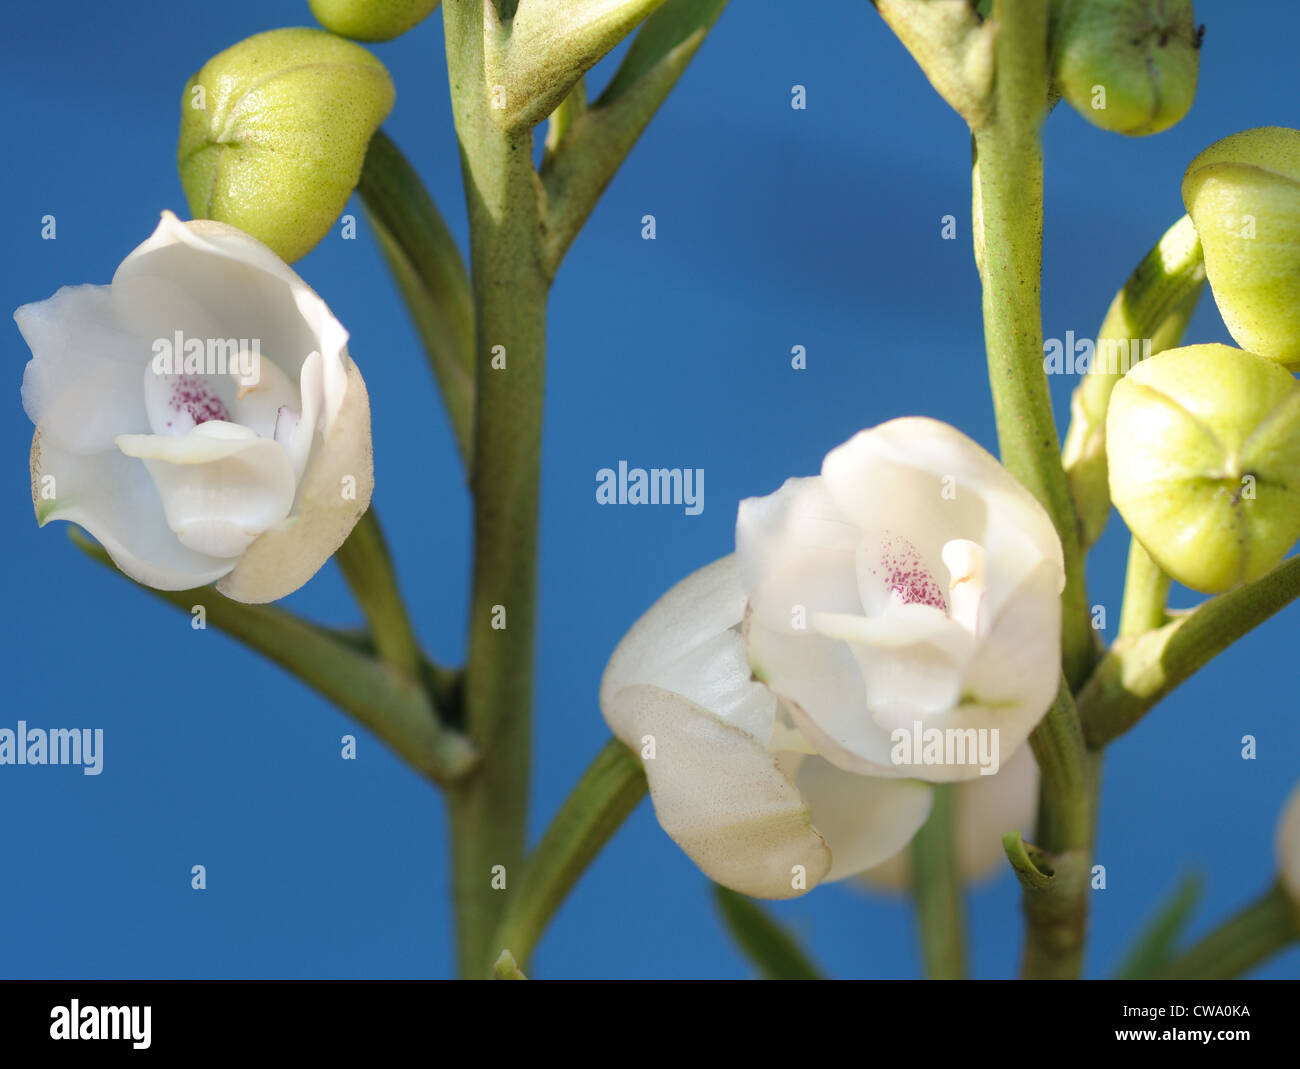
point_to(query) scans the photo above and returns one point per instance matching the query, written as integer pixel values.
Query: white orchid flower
(904, 604)
(199, 416)
(733, 782)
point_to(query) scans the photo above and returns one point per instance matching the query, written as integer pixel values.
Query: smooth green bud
(1127, 65)
(371, 20)
(1243, 194)
(1203, 445)
(274, 132)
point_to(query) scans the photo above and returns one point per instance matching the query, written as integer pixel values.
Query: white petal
(797, 555)
(259, 404)
(934, 484)
(212, 280)
(297, 428)
(716, 676)
(912, 661)
(863, 819)
(221, 485)
(720, 796)
(1288, 846)
(1015, 674)
(113, 497)
(82, 385)
(823, 688)
(333, 493)
(700, 607)
(177, 403)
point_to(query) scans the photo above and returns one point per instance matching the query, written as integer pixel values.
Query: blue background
(776, 227)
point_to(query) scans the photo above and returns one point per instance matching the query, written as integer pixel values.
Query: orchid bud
(1203, 445)
(1243, 194)
(274, 131)
(371, 20)
(1127, 65)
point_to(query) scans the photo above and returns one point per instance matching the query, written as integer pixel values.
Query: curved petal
(720, 796)
(864, 820)
(824, 693)
(82, 385)
(212, 280)
(113, 497)
(912, 660)
(221, 485)
(700, 607)
(1015, 673)
(906, 463)
(332, 495)
(797, 555)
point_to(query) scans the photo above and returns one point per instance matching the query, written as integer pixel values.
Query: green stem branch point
(1141, 669)
(391, 705)
(597, 141)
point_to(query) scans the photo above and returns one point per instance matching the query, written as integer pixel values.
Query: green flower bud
(1127, 65)
(371, 20)
(274, 132)
(1243, 194)
(1203, 445)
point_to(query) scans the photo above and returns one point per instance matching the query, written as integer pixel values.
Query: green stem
(429, 271)
(1056, 908)
(1268, 925)
(488, 810)
(1141, 669)
(368, 569)
(937, 890)
(1146, 593)
(1008, 195)
(1065, 819)
(393, 706)
(609, 790)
